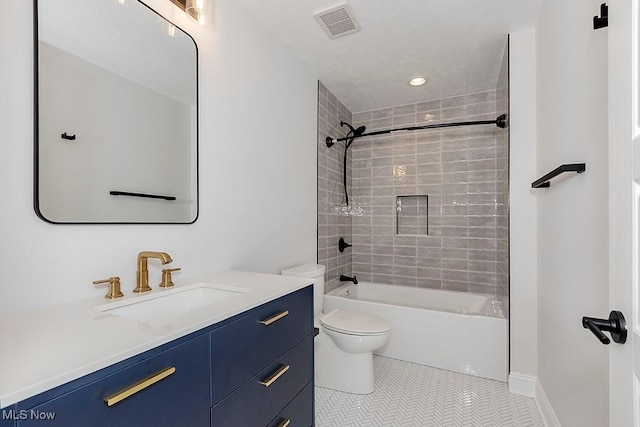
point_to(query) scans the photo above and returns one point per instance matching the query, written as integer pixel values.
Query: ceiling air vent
(339, 21)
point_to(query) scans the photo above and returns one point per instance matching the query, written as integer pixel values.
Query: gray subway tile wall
(331, 225)
(463, 172)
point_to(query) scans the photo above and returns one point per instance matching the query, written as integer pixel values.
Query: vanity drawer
(256, 403)
(179, 397)
(298, 413)
(245, 347)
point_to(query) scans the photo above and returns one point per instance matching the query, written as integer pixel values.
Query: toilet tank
(316, 273)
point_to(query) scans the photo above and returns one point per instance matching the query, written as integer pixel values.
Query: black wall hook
(601, 21)
(342, 245)
(69, 137)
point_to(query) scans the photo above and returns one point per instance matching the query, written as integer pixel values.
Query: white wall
(257, 170)
(572, 213)
(523, 215)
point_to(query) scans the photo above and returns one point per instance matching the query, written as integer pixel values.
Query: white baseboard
(546, 410)
(528, 385)
(522, 384)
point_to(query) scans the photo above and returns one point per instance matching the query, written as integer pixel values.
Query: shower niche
(412, 215)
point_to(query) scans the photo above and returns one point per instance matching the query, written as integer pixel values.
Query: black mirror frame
(36, 122)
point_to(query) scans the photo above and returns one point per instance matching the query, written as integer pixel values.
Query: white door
(624, 207)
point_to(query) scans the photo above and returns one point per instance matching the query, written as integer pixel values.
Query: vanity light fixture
(200, 11)
(418, 81)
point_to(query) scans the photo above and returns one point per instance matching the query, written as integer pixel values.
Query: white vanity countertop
(44, 348)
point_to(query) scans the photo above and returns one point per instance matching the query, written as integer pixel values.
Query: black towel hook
(601, 21)
(68, 137)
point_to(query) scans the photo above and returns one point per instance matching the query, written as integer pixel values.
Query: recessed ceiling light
(418, 81)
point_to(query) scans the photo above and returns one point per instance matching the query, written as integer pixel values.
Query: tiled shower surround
(459, 176)
(331, 225)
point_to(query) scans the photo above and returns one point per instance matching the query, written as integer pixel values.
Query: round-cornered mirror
(116, 115)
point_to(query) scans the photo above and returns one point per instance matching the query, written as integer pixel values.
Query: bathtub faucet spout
(344, 278)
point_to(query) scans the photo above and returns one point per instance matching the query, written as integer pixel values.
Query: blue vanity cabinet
(243, 348)
(249, 370)
(264, 397)
(262, 362)
(179, 398)
(298, 413)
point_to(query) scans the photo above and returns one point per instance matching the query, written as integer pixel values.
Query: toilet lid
(351, 322)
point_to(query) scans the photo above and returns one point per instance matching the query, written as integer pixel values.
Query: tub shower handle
(342, 245)
(615, 325)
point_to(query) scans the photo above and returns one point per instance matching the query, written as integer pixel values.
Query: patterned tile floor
(411, 395)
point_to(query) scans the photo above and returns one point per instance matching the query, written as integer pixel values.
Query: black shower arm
(348, 125)
(500, 121)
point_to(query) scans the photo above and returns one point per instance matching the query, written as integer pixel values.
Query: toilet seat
(354, 323)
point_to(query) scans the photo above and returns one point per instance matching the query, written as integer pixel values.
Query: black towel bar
(544, 181)
(148, 196)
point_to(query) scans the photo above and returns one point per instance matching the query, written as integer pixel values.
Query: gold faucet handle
(114, 287)
(166, 277)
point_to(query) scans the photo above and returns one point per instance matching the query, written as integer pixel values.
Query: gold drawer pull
(284, 423)
(275, 318)
(273, 377)
(139, 386)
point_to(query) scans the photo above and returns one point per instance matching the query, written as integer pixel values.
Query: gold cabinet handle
(274, 377)
(284, 423)
(275, 318)
(139, 386)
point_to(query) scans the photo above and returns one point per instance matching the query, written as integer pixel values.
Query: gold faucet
(142, 275)
(114, 287)
(167, 282)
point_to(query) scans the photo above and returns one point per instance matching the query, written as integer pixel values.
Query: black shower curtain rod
(500, 121)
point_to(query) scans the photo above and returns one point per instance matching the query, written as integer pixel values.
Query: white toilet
(344, 347)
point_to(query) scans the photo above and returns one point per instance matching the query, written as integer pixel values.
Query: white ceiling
(458, 44)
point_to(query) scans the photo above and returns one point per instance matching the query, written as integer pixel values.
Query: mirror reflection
(116, 115)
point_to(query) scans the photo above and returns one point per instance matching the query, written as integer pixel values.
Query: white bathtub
(459, 332)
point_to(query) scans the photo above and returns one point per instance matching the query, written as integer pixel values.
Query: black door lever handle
(588, 323)
(615, 325)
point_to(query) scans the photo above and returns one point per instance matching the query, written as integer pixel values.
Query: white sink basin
(162, 304)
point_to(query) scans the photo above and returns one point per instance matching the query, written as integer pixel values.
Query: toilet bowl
(343, 348)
